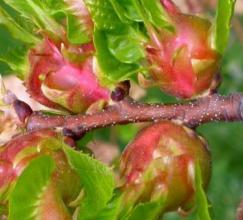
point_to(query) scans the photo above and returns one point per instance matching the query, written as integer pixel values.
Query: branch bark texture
(192, 114)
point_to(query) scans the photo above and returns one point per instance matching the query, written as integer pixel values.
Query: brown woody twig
(192, 114)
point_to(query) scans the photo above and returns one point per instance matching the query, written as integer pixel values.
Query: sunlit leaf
(15, 29)
(126, 47)
(77, 33)
(127, 10)
(34, 11)
(148, 210)
(25, 198)
(225, 11)
(120, 11)
(103, 14)
(97, 181)
(201, 197)
(13, 53)
(112, 69)
(156, 13)
(111, 211)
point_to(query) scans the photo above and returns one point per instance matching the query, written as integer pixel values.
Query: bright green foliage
(97, 181)
(15, 29)
(27, 19)
(17, 36)
(224, 14)
(126, 47)
(112, 70)
(33, 11)
(14, 54)
(201, 198)
(126, 10)
(118, 42)
(111, 211)
(148, 210)
(103, 15)
(46, 14)
(120, 10)
(156, 13)
(76, 32)
(25, 198)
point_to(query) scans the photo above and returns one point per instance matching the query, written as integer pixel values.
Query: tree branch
(194, 113)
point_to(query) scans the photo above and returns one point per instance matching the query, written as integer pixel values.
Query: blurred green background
(225, 139)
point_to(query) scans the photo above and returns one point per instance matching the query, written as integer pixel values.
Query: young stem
(193, 113)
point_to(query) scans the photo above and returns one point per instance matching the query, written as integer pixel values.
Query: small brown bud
(22, 109)
(121, 91)
(71, 134)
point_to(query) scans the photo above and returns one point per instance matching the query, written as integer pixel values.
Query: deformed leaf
(225, 11)
(25, 197)
(97, 181)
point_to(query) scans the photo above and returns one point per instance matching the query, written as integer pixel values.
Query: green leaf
(15, 29)
(33, 10)
(97, 181)
(25, 198)
(120, 11)
(148, 210)
(52, 6)
(118, 45)
(103, 14)
(16, 61)
(126, 47)
(16, 38)
(156, 14)
(76, 31)
(225, 11)
(22, 21)
(201, 198)
(128, 10)
(13, 52)
(112, 70)
(5, 69)
(79, 28)
(112, 209)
